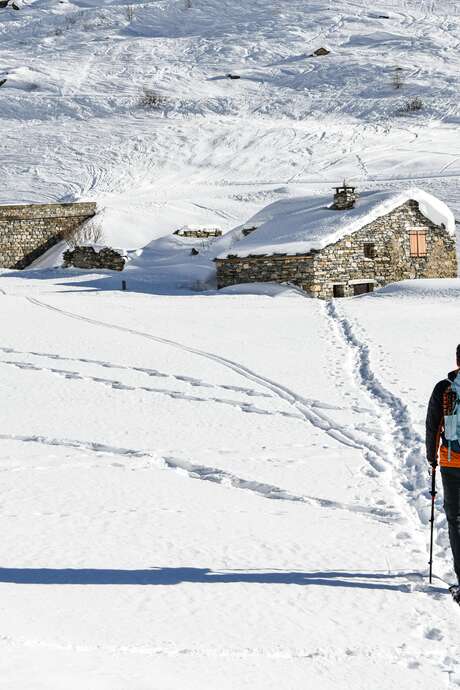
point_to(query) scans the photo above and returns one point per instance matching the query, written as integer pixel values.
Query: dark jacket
(434, 417)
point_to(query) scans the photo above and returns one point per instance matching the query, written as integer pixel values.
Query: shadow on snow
(174, 576)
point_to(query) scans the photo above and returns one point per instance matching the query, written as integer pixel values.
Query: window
(362, 288)
(339, 290)
(369, 250)
(417, 240)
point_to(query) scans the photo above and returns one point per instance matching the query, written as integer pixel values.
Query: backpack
(452, 414)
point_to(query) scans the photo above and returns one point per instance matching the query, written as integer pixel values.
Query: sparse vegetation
(151, 99)
(89, 233)
(412, 106)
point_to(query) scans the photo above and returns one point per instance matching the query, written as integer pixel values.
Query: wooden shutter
(413, 243)
(421, 238)
(417, 242)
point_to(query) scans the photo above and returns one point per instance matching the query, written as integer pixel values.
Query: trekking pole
(433, 496)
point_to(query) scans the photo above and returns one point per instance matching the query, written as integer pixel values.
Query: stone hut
(29, 230)
(320, 52)
(198, 232)
(348, 247)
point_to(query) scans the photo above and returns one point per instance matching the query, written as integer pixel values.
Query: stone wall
(277, 268)
(27, 231)
(87, 257)
(344, 261)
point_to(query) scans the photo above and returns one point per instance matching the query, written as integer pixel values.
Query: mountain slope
(217, 150)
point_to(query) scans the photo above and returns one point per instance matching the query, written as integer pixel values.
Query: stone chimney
(344, 197)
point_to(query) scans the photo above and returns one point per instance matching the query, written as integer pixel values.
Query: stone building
(27, 231)
(349, 247)
(198, 232)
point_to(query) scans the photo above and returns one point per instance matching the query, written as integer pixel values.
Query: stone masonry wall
(88, 257)
(344, 261)
(27, 231)
(266, 269)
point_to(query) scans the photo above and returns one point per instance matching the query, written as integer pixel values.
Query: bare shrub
(412, 106)
(72, 19)
(151, 99)
(89, 233)
(398, 78)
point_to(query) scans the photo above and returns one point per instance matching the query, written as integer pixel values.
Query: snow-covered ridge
(296, 226)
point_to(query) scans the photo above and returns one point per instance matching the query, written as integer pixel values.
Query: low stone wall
(87, 257)
(266, 269)
(27, 231)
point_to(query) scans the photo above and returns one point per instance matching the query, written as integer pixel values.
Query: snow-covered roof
(296, 226)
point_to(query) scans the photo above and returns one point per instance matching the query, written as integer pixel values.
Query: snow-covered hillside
(218, 150)
(208, 490)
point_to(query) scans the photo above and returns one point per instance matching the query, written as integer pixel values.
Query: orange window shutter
(421, 243)
(413, 244)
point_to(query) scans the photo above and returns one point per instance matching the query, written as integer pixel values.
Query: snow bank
(435, 288)
(295, 226)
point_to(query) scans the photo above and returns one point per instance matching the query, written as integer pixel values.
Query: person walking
(443, 438)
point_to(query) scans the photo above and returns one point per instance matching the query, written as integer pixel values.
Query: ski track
(210, 474)
(304, 406)
(405, 442)
(176, 395)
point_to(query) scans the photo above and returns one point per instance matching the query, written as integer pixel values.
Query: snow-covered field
(206, 490)
(186, 510)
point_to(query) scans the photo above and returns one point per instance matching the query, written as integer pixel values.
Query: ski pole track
(318, 419)
(406, 446)
(209, 474)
